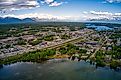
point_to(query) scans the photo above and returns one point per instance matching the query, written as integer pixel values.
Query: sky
(74, 10)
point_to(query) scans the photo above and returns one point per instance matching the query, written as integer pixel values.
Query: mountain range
(9, 20)
(15, 20)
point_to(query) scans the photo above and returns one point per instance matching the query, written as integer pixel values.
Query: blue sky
(61, 9)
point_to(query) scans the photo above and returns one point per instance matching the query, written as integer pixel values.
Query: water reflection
(1, 66)
(57, 70)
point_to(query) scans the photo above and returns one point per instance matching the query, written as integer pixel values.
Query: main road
(106, 39)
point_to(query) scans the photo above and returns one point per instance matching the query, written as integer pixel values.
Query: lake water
(69, 70)
(99, 28)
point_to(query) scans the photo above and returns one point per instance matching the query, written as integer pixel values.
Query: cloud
(49, 1)
(56, 4)
(101, 15)
(9, 5)
(86, 15)
(39, 16)
(117, 14)
(52, 3)
(113, 1)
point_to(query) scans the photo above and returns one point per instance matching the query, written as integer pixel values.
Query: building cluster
(89, 40)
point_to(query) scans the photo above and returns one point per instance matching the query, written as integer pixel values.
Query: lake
(65, 70)
(99, 28)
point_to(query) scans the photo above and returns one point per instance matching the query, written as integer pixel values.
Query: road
(93, 55)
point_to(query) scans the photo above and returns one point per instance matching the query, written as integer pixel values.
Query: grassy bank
(34, 56)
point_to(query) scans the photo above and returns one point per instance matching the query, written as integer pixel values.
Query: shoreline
(60, 60)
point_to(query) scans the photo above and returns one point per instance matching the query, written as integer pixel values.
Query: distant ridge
(15, 20)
